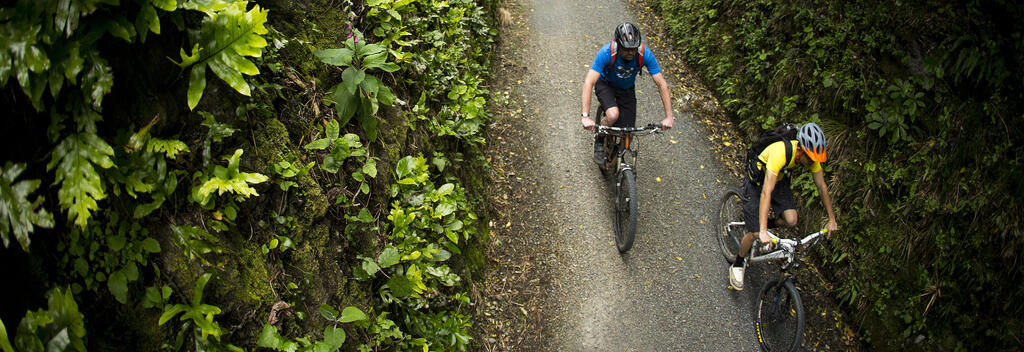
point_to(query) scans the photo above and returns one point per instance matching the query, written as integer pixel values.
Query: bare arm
(819, 180)
(666, 100)
(770, 178)
(588, 89)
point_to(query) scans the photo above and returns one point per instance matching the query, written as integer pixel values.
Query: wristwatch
(585, 114)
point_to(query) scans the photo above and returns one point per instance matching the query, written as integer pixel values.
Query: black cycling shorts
(782, 200)
(611, 97)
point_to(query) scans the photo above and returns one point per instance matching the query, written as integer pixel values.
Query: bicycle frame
(787, 248)
(622, 138)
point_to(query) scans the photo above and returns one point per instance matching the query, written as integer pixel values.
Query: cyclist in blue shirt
(612, 77)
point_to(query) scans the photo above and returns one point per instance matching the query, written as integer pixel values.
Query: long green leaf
(75, 160)
(17, 214)
(227, 36)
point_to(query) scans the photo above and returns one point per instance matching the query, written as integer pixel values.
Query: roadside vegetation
(921, 102)
(222, 175)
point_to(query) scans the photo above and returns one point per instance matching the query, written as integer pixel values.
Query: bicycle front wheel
(780, 317)
(730, 211)
(626, 211)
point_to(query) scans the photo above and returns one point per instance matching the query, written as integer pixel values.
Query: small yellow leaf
(658, 179)
(673, 141)
(702, 166)
(679, 258)
(218, 216)
(702, 222)
(705, 195)
(727, 144)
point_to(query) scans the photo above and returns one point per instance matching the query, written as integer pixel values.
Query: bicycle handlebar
(790, 244)
(636, 131)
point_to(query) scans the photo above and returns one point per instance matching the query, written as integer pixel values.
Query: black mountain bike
(620, 157)
(780, 311)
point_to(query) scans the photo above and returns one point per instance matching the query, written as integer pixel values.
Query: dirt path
(558, 282)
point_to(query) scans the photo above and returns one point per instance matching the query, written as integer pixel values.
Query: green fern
(227, 179)
(75, 160)
(228, 34)
(170, 147)
(17, 214)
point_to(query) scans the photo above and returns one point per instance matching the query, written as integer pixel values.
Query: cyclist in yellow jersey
(773, 190)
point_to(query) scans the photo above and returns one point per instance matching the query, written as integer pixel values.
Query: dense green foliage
(133, 243)
(921, 102)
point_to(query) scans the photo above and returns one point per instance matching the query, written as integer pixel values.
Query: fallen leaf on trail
(702, 166)
(679, 258)
(673, 141)
(704, 195)
(727, 144)
(702, 222)
(658, 179)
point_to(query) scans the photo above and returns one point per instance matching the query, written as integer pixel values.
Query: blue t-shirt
(623, 75)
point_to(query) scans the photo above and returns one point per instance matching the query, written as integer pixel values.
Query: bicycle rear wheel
(780, 317)
(626, 211)
(729, 236)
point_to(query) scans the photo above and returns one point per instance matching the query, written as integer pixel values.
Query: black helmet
(627, 36)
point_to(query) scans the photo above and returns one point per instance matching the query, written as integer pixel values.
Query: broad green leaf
(370, 49)
(400, 285)
(333, 129)
(197, 292)
(389, 67)
(351, 77)
(337, 57)
(196, 85)
(270, 338)
(405, 167)
(334, 336)
(118, 285)
(231, 76)
(151, 245)
(370, 168)
(319, 144)
(346, 103)
(370, 266)
(388, 257)
(328, 312)
(350, 314)
(18, 216)
(445, 190)
(384, 96)
(445, 207)
(75, 159)
(375, 60)
(5, 343)
(227, 35)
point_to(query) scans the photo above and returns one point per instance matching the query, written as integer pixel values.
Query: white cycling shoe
(736, 277)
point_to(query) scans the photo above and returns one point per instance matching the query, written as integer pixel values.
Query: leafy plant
(359, 94)
(74, 161)
(290, 169)
(196, 313)
(196, 242)
(110, 252)
(18, 216)
(58, 328)
(226, 37)
(225, 180)
(334, 337)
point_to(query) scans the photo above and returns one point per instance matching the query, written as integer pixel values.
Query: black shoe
(599, 150)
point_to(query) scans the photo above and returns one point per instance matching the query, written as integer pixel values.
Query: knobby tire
(626, 211)
(730, 210)
(780, 317)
